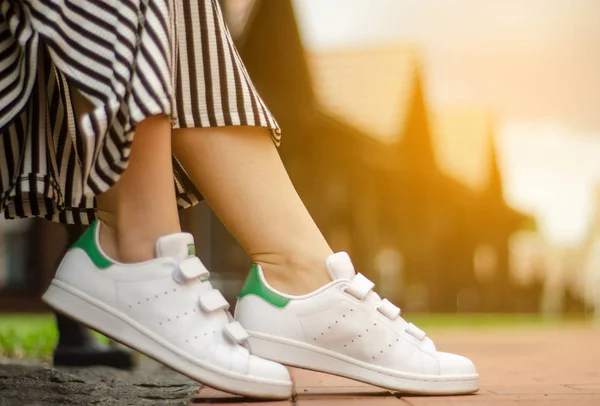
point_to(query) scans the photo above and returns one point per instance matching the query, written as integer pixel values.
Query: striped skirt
(75, 78)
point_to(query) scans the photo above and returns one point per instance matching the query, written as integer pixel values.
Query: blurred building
(478, 221)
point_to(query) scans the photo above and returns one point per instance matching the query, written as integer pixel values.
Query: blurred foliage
(33, 336)
(29, 336)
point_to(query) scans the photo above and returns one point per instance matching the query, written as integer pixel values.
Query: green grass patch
(29, 336)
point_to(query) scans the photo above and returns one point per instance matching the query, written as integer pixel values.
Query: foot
(167, 309)
(346, 329)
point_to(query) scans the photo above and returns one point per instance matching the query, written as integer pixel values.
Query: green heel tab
(255, 286)
(87, 242)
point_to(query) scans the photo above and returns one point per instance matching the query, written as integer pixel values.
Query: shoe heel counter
(256, 285)
(81, 263)
(261, 309)
(74, 265)
(78, 271)
(254, 314)
(88, 242)
(60, 271)
(255, 299)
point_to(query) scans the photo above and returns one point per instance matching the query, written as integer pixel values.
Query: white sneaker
(164, 308)
(344, 328)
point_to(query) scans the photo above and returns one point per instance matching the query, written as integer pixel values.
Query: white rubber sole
(120, 327)
(306, 356)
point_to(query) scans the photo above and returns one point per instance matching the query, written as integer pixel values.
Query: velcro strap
(415, 331)
(192, 268)
(212, 300)
(360, 286)
(388, 309)
(235, 332)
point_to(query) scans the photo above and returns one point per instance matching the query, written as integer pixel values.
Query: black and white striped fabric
(77, 75)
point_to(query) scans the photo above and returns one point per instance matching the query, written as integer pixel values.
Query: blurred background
(452, 147)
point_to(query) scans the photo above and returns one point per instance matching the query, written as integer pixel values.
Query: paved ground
(531, 366)
(556, 366)
(35, 384)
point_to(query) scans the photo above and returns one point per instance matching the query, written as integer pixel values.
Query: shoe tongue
(179, 246)
(340, 266)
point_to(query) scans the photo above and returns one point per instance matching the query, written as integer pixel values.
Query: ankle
(294, 275)
(125, 247)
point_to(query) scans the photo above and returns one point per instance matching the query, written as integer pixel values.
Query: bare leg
(141, 206)
(239, 172)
